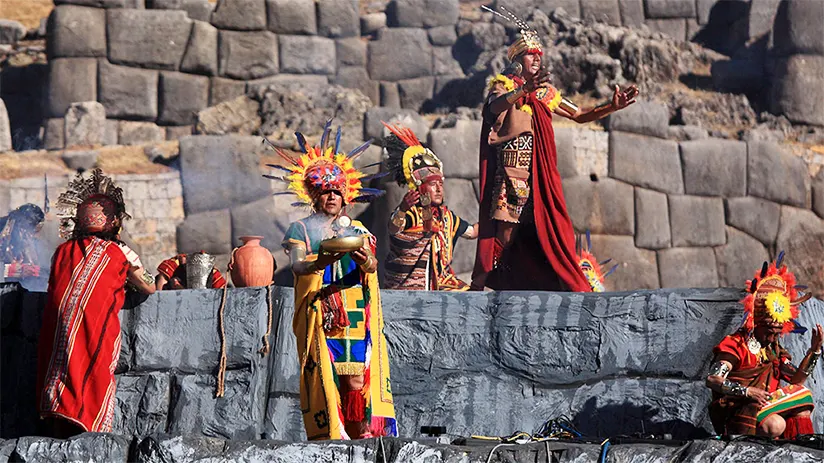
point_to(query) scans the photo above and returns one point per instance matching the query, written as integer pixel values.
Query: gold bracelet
(365, 266)
(568, 106)
(398, 220)
(514, 95)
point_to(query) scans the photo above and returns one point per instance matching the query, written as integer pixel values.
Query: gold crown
(528, 42)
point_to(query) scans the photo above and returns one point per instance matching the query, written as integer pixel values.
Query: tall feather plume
(614, 267)
(301, 142)
(337, 141)
(359, 150)
(324, 139)
(395, 147)
(779, 260)
(764, 269)
(275, 166)
(279, 152)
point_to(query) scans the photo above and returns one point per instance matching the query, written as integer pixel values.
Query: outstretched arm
(718, 382)
(807, 366)
(620, 100)
(501, 100)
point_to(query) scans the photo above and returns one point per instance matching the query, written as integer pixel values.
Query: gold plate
(342, 244)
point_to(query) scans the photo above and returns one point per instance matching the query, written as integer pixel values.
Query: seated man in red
(749, 365)
(171, 274)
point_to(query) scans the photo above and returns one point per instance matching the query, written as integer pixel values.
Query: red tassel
(354, 406)
(798, 426)
(377, 427)
(497, 251)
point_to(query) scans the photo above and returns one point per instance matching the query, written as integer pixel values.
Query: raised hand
(410, 199)
(818, 339)
(622, 99)
(539, 80)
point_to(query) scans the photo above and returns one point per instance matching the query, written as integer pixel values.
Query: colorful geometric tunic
(80, 337)
(356, 349)
(764, 370)
(422, 260)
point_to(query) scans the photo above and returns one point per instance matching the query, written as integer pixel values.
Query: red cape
(542, 254)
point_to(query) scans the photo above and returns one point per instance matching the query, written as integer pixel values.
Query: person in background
(171, 274)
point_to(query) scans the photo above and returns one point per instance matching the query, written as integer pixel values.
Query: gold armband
(398, 219)
(514, 95)
(568, 106)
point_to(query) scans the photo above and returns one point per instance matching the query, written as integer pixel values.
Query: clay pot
(251, 264)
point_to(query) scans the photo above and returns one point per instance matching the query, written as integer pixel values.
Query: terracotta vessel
(251, 264)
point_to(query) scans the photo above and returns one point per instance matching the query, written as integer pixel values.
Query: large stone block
(199, 10)
(801, 236)
(85, 124)
(201, 52)
(11, 31)
(338, 18)
(371, 23)
(675, 28)
(604, 207)
(247, 55)
(372, 128)
(761, 16)
(415, 93)
(292, 16)
(258, 218)
(139, 133)
(443, 36)
(798, 28)
(142, 404)
(461, 199)
(637, 268)
(412, 44)
(818, 194)
(182, 96)
(444, 64)
(77, 31)
(632, 12)
(696, 221)
(776, 175)
(357, 77)
(54, 137)
(798, 89)
(687, 268)
(715, 167)
(350, 52)
(645, 162)
(738, 259)
(71, 80)
(301, 54)
(454, 146)
(221, 90)
(147, 38)
(237, 116)
(644, 117)
(205, 231)
(135, 4)
(582, 152)
(84, 447)
(220, 172)
(605, 11)
(422, 13)
(670, 8)
(755, 217)
(127, 92)
(5, 129)
(240, 15)
(652, 218)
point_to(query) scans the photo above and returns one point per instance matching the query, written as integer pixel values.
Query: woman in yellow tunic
(345, 390)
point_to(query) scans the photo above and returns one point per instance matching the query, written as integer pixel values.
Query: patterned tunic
(80, 337)
(422, 260)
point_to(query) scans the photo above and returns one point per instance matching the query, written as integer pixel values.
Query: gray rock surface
(338, 18)
(442, 36)
(306, 55)
(205, 231)
(237, 116)
(422, 13)
(372, 128)
(221, 90)
(675, 28)
(127, 92)
(77, 31)
(54, 137)
(797, 89)
(633, 158)
(739, 258)
(147, 38)
(456, 147)
(603, 207)
(687, 267)
(70, 80)
(139, 133)
(818, 194)
(85, 124)
(652, 217)
(754, 216)
(240, 15)
(80, 160)
(768, 161)
(220, 172)
(11, 31)
(350, 52)
(201, 52)
(356, 77)
(412, 44)
(644, 117)
(259, 218)
(696, 221)
(798, 29)
(292, 16)
(247, 55)
(371, 23)
(670, 8)
(605, 11)
(5, 129)
(801, 236)
(714, 167)
(182, 96)
(637, 268)
(632, 12)
(85, 447)
(415, 93)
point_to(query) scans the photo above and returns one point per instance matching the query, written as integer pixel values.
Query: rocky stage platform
(475, 363)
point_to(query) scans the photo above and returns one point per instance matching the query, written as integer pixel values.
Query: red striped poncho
(80, 336)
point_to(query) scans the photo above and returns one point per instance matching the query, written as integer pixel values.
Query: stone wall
(476, 363)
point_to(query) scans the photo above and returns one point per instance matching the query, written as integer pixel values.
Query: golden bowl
(342, 244)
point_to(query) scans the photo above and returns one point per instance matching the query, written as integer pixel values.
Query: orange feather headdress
(773, 293)
(590, 265)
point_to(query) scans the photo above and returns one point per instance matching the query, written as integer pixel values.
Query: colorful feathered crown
(773, 293)
(590, 265)
(324, 168)
(92, 204)
(528, 42)
(409, 162)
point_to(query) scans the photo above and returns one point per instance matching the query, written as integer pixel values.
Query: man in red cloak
(526, 240)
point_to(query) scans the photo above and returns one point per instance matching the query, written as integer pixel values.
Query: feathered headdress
(324, 168)
(528, 42)
(93, 204)
(773, 293)
(409, 162)
(590, 265)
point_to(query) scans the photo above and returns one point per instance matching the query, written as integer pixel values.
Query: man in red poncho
(526, 240)
(80, 337)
